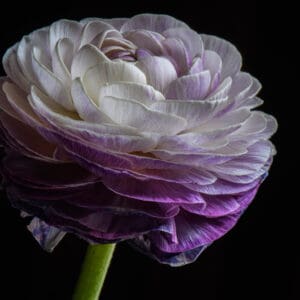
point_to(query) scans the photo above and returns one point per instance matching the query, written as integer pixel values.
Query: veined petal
(145, 39)
(110, 72)
(222, 90)
(193, 231)
(85, 107)
(231, 58)
(65, 29)
(213, 62)
(191, 39)
(13, 69)
(156, 23)
(159, 71)
(93, 28)
(251, 162)
(135, 114)
(61, 60)
(142, 93)
(176, 52)
(223, 187)
(87, 57)
(51, 84)
(190, 87)
(195, 112)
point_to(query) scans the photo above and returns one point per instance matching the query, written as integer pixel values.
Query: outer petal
(231, 58)
(156, 23)
(22, 138)
(65, 29)
(191, 39)
(193, 231)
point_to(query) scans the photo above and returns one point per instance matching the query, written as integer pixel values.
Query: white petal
(271, 127)
(18, 101)
(65, 29)
(227, 120)
(51, 84)
(4, 103)
(87, 57)
(142, 93)
(195, 112)
(92, 29)
(13, 69)
(85, 107)
(24, 57)
(231, 58)
(256, 123)
(222, 90)
(134, 114)
(252, 102)
(110, 72)
(159, 71)
(61, 60)
(59, 117)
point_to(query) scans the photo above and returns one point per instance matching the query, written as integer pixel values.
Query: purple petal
(231, 58)
(147, 40)
(143, 245)
(176, 52)
(159, 71)
(193, 231)
(189, 87)
(47, 236)
(151, 22)
(222, 205)
(190, 38)
(24, 139)
(222, 187)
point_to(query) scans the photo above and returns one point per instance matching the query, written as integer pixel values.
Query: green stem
(93, 272)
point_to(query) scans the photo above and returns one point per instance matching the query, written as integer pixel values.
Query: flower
(134, 129)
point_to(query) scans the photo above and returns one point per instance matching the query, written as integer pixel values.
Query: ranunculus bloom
(134, 129)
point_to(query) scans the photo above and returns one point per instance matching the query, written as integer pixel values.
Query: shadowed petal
(193, 231)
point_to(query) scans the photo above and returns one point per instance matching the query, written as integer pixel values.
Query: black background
(257, 259)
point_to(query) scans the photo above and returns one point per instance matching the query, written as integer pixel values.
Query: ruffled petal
(193, 231)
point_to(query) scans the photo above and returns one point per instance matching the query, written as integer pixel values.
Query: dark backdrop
(257, 259)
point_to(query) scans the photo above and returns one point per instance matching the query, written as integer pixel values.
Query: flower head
(134, 129)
